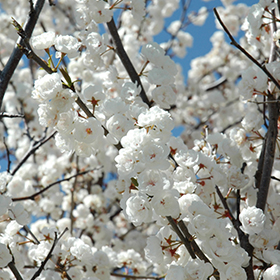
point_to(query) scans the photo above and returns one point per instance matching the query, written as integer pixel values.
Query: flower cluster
(97, 184)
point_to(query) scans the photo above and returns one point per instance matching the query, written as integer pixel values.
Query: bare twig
(32, 197)
(274, 178)
(6, 115)
(268, 151)
(184, 9)
(189, 242)
(215, 84)
(32, 150)
(13, 268)
(15, 57)
(231, 125)
(72, 196)
(31, 7)
(26, 228)
(244, 238)
(56, 239)
(136, 277)
(30, 54)
(8, 155)
(233, 42)
(196, 248)
(126, 61)
(223, 200)
(185, 241)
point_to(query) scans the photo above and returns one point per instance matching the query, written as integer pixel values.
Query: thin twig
(244, 238)
(8, 155)
(234, 221)
(185, 241)
(183, 17)
(233, 42)
(32, 150)
(26, 228)
(215, 84)
(31, 4)
(6, 115)
(15, 271)
(196, 248)
(32, 56)
(274, 178)
(56, 239)
(32, 197)
(231, 125)
(72, 196)
(15, 57)
(126, 61)
(268, 154)
(136, 277)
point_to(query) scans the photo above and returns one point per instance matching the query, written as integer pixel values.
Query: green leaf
(66, 76)
(134, 182)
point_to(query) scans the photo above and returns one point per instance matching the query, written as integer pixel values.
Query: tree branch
(244, 238)
(233, 42)
(126, 61)
(185, 241)
(136, 277)
(8, 155)
(13, 268)
(196, 248)
(32, 197)
(72, 190)
(189, 243)
(268, 151)
(15, 57)
(35, 147)
(6, 115)
(56, 239)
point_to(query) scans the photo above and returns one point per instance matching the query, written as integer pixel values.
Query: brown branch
(15, 57)
(26, 228)
(56, 239)
(6, 115)
(32, 56)
(224, 202)
(126, 61)
(185, 241)
(32, 150)
(136, 277)
(15, 271)
(8, 155)
(244, 238)
(72, 196)
(196, 248)
(268, 151)
(32, 197)
(215, 84)
(233, 42)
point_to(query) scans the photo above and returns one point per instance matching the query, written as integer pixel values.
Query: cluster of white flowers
(115, 175)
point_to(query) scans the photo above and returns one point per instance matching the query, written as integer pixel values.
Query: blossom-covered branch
(15, 57)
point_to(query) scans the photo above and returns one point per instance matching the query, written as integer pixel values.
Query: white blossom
(43, 41)
(5, 256)
(252, 220)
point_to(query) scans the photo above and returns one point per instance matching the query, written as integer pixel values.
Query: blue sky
(201, 34)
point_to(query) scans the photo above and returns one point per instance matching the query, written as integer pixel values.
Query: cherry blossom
(95, 182)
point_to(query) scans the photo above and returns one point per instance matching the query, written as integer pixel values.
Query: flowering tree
(96, 185)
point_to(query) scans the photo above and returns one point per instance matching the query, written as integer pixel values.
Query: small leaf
(66, 76)
(134, 182)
